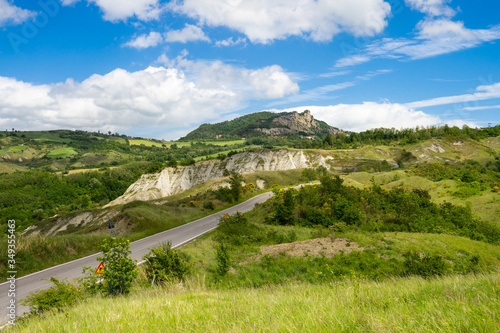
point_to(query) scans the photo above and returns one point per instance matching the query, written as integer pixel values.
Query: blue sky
(159, 69)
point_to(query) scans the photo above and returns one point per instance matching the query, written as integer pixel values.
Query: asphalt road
(73, 269)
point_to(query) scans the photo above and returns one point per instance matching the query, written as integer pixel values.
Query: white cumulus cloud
(144, 10)
(156, 97)
(268, 82)
(190, 33)
(432, 7)
(145, 41)
(230, 42)
(369, 115)
(263, 21)
(11, 14)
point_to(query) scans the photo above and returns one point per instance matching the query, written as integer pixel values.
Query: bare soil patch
(312, 247)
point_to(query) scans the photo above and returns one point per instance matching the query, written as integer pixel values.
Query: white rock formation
(171, 181)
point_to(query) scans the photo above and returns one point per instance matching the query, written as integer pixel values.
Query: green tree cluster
(376, 209)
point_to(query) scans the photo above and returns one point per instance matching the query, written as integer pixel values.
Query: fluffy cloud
(369, 115)
(10, 14)
(265, 83)
(434, 37)
(432, 7)
(265, 20)
(190, 33)
(154, 97)
(144, 10)
(231, 42)
(145, 41)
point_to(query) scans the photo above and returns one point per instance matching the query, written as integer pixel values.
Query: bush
(237, 231)
(222, 257)
(59, 296)
(426, 266)
(224, 194)
(120, 269)
(208, 205)
(155, 168)
(165, 264)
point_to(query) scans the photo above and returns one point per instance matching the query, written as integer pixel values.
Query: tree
(331, 185)
(285, 210)
(308, 175)
(236, 188)
(329, 139)
(120, 269)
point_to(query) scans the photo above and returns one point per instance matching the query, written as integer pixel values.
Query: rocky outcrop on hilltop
(171, 181)
(263, 123)
(296, 123)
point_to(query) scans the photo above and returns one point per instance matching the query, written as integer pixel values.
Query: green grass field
(45, 136)
(469, 303)
(62, 153)
(225, 152)
(147, 143)
(224, 143)
(180, 144)
(15, 149)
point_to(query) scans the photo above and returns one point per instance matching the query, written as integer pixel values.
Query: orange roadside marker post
(100, 269)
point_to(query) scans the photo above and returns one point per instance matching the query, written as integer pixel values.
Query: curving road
(73, 269)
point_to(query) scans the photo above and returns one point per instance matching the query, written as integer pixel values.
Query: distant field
(62, 153)
(117, 139)
(186, 143)
(224, 143)
(180, 144)
(147, 143)
(9, 167)
(199, 158)
(70, 172)
(12, 149)
(45, 136)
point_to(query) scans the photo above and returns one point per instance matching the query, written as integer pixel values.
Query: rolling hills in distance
(59, 184)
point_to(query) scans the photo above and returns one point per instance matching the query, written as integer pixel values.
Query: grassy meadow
(465, 303)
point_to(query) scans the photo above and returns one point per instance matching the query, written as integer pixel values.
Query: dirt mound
(312, 247)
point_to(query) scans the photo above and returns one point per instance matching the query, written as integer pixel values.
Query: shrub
(224, 194)
(208, 205)
(223, 261)
(237, 231)
(155, 168)
(426, 266)
(165, 264)
(59, 296)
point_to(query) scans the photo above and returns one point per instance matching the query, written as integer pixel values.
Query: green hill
(263, 123)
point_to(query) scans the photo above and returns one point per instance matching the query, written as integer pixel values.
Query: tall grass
(449, 304)
(37, 253)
